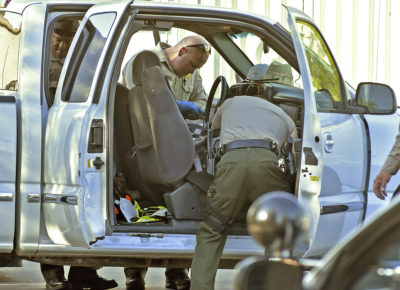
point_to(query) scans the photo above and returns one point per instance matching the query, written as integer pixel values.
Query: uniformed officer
(63, 33)
(390, 167)
(253, 131)
(78, 277)
(180, 64)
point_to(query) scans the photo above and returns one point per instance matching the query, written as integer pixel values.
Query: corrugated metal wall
(361, 33)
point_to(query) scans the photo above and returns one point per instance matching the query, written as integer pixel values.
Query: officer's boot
(54, 277)
(135, 278)
(85, 277)
(177, 279)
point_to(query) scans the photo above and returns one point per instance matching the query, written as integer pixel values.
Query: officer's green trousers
(242, 175)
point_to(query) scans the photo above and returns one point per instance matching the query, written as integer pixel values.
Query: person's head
(187, 55)
(63, 33)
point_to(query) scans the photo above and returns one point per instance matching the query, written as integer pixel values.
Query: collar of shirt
(159, 50)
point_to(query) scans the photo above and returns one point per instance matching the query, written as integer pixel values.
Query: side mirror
(378, 99)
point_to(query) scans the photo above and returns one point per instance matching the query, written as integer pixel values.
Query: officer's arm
(392, 163)
(216, 123)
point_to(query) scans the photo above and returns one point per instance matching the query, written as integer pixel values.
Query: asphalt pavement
(29, 277)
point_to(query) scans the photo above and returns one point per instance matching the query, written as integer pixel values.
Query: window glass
(86, 57)
(279, 70)
(324, 73)
(10, 31)
(63, 32)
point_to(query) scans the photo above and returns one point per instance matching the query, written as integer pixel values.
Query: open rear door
(76, 158)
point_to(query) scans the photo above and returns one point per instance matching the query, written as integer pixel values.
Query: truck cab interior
(161, 159)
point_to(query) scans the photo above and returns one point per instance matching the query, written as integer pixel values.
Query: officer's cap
(281, 72)
(66, 27)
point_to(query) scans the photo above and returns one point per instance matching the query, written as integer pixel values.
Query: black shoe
(87, 278)
(177, 279)
(58, 284)
(135, 278)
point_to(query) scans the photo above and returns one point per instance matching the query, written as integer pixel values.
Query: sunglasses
(205, 47)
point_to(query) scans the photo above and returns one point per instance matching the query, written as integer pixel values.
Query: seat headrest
(143, 60)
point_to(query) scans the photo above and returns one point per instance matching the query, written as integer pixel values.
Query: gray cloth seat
(164, 145)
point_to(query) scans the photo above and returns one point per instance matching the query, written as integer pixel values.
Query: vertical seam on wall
(355, 41)
(388, 29)
(339, 31)
(371, 39)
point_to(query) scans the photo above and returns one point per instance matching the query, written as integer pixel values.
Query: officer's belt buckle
(250, 143)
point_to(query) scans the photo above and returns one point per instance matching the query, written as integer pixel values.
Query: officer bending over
(253, 130)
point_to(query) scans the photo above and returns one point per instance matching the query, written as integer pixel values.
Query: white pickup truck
(57, 163)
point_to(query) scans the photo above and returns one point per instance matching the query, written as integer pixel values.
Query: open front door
(335, 142)
(76, 158)
(309, 180)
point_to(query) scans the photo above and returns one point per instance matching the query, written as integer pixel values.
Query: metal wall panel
(359, 32)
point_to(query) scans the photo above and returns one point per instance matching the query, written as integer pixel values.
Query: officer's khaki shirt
(55, 68)
(248, 117)
(187, 88)
(392, 163)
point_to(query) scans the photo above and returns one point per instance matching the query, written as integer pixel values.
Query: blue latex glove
(190, 110)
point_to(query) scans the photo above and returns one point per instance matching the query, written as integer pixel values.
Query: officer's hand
(380, 184)
(190, 110)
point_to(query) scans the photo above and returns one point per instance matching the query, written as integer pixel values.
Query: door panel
(8, 164)
(310, 170)
(344, 162)
(344, 179)
(75, 159)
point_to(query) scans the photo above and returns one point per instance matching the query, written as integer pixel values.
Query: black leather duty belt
(252, 143)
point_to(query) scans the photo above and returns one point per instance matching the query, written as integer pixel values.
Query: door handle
(60, 199)
(329, 142)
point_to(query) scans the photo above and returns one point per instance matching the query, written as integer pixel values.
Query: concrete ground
(29, 277)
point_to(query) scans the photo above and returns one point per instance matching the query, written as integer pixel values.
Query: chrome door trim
(6, 196)
(60, 199)
(329, 208)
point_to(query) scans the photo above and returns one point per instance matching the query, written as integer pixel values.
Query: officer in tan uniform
(253, 131)
(390, 167)
(61, 39)
(180, 64)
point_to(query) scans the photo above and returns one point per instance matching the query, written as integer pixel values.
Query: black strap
(213, 218)
(253, 143)
(202, 180)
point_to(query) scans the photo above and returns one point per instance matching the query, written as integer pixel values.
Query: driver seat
(165, 149)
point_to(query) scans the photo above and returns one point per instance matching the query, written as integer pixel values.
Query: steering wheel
(224, 90)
